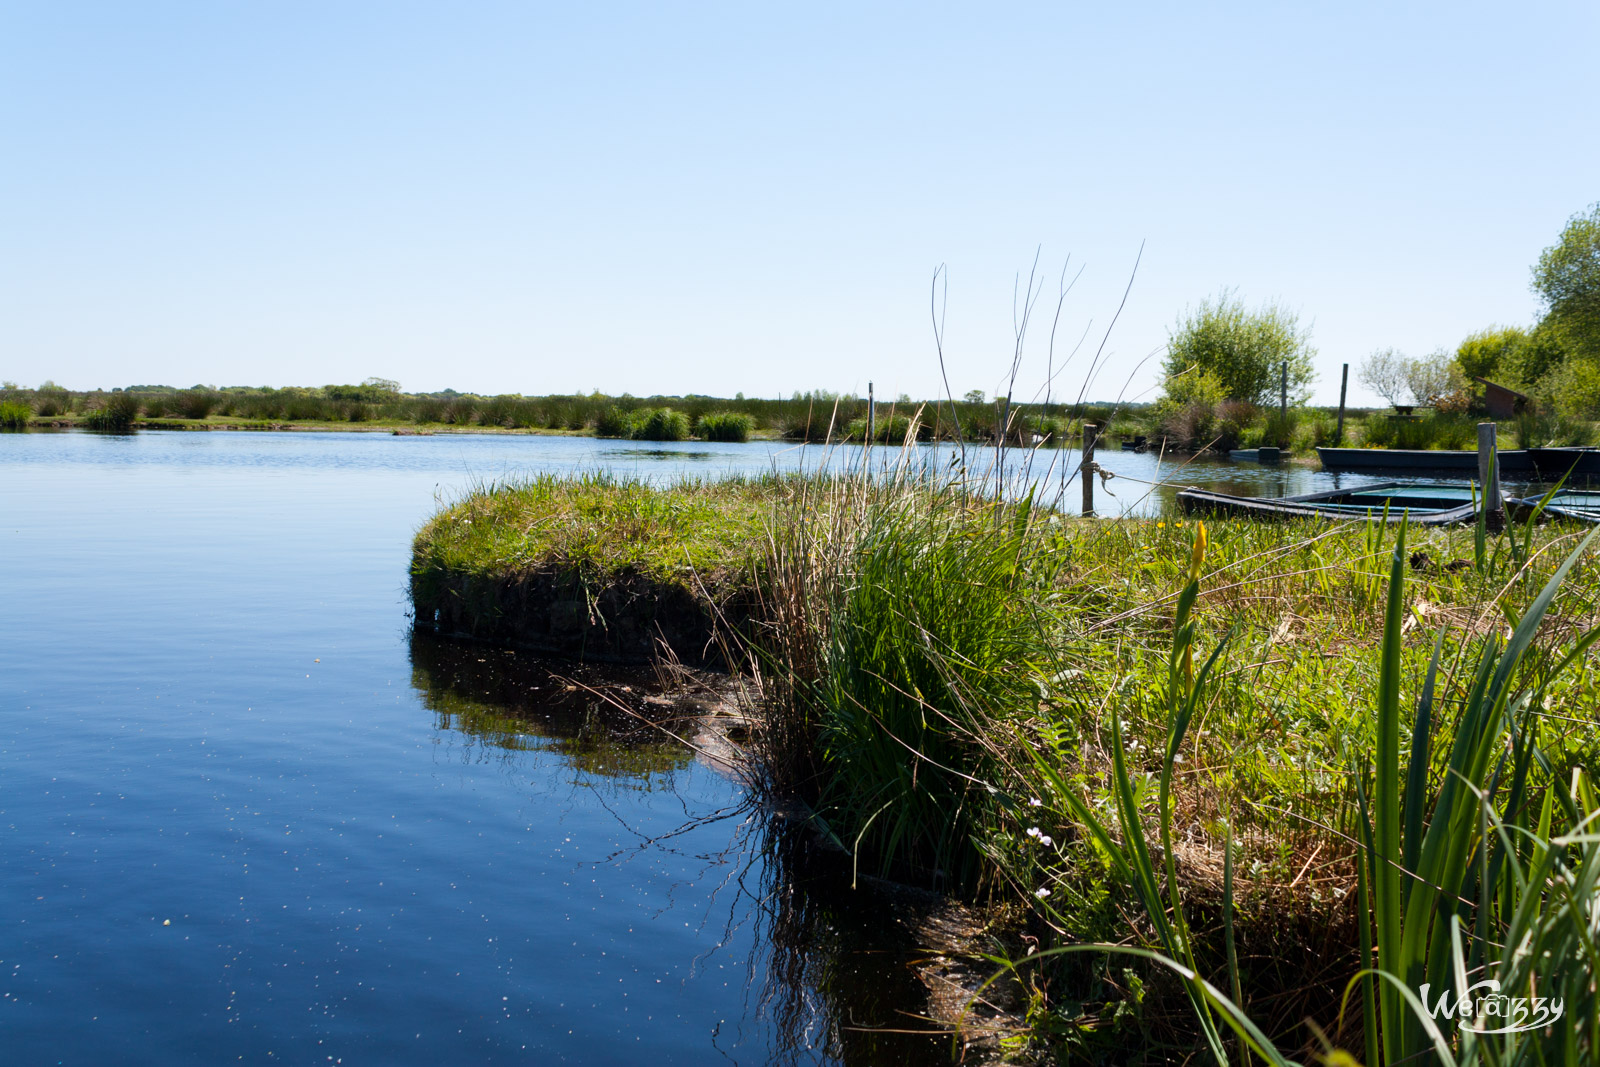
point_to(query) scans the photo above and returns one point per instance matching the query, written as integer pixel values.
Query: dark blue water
(247, 816)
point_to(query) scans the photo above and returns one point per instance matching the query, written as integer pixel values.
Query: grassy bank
(996, 701)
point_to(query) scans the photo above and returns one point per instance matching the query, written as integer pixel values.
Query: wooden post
(1086, 468)
(872, 415)
(1344, 383)
(1489, 478)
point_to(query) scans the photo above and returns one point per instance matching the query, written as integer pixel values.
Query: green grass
(1484, 869)
(597, 525)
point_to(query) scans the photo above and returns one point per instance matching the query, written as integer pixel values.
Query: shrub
(53, 402)
(726, 426)
(1242, 351)
(116, 414)
(661, 424)
(195, 403)
(1491, 352)
(614, 422)
(14, 415)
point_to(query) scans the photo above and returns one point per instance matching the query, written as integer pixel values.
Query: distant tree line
(817, 415)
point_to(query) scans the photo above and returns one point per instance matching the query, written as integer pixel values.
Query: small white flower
(1033, 831)
(1178, 758)
(1041, 892)
(1035, 802)
(1046, 840)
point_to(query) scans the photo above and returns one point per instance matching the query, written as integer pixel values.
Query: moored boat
(1521, 464)
(1425, 505)
(1578, 505)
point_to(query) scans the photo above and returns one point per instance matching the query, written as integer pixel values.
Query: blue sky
(512, 197)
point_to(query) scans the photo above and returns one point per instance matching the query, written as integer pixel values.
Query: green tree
(1496, 350)
(1542, 353)
(1567, 279)
(1243, 349)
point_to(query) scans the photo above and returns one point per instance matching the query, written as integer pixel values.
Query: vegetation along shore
(1206, 775)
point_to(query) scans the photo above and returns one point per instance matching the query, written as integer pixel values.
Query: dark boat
(1575, 464)
(1426, 505)
(1519, 464)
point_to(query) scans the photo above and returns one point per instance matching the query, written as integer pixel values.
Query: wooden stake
(1086, 468)
(1489, 478)
(1344, 383)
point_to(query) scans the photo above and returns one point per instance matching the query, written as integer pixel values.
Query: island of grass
(985, 698)
(595, 567)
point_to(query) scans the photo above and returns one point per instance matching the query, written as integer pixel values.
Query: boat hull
(1522, 464)
(1388, 501)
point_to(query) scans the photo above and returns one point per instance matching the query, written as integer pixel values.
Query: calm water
(245, 815)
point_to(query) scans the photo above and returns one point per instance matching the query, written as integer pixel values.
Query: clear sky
(521, 197)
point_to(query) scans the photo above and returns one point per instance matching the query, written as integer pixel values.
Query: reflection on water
(664, 454)
(843, 963)
(833, 974)
(496, 701)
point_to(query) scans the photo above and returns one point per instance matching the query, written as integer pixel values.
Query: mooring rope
(1090, 466)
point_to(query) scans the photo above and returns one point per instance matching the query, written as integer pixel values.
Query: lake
(248, 815)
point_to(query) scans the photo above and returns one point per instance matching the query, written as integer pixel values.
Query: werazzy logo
(1483, 1009)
